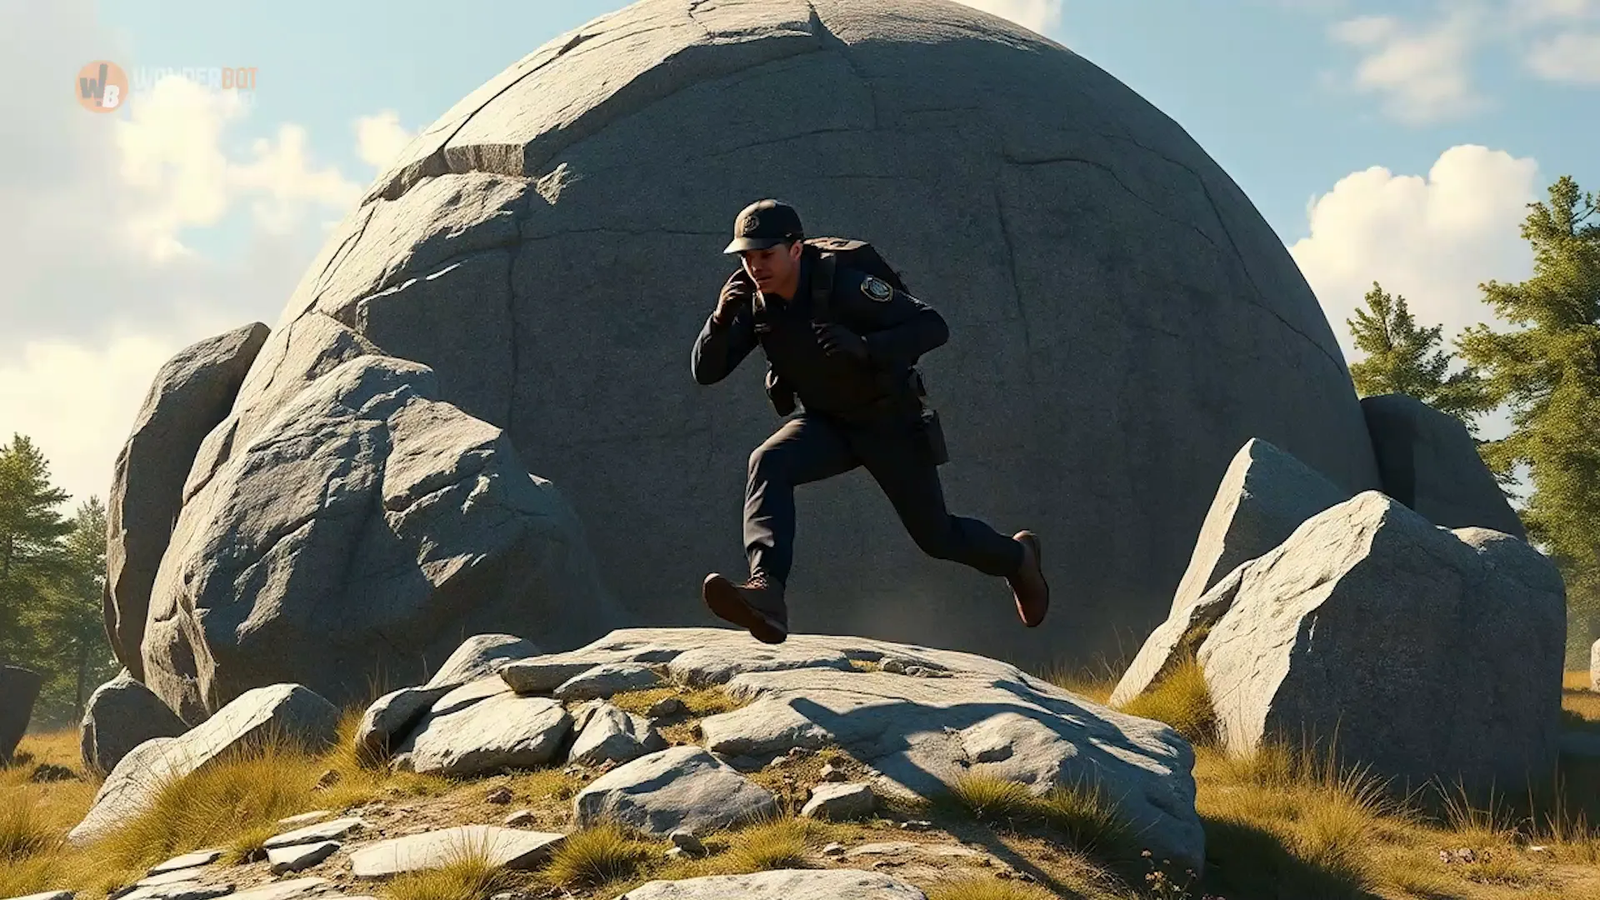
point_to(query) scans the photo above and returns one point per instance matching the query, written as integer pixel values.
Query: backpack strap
(822, 286)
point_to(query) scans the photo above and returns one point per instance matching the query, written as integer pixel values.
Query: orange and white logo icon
(102, 86)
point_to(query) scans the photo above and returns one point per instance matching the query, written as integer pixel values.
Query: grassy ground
(1277, 826)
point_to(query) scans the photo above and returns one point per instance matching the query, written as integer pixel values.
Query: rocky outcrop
(283, 712)
(189, 396)
(120, 715)
(1421, 652)
(19, 689)
(610, 149)
(919, 718)
(362, 531)
(1428, 461)
(396, 712)
(498, 847)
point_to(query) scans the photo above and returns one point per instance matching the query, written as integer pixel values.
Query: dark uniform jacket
(897, 330)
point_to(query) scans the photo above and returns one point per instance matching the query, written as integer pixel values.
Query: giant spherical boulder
(1122, 318)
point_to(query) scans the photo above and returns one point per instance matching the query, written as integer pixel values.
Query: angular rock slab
(502, 847)
(840, 802)
(391, 717)
(365, 514)
(1428, 461)
(191, 393)
(19, 688)
(315, 834)
(187, 861)
(481, 656)
(1264, 496)
(52, 895)
(607, 680)
(680, 787)
(120, 715)
(288, 710)
(300, 856)
(1177, 638)
(504, 731)
(782, 884)
(292, 889)
(1423, 652)
(611, 735)
(715, 665)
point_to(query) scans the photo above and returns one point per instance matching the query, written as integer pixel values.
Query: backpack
(852, 254)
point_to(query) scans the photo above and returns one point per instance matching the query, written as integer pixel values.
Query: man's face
(774, 267)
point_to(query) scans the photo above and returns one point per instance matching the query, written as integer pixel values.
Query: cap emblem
(749, 225)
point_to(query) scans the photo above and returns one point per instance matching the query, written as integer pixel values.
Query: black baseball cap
(765, 223)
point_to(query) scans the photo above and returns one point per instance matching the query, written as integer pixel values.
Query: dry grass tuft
(773, 844)
(986, 888)
(470, 877)
(698, 702)
(1182, 700)
(599, 855)
(1084, 815)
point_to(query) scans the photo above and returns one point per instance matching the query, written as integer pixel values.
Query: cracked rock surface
(364, 527)
(550, 245)
(916, 734)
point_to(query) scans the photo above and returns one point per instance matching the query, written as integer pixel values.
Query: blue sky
(1420, 130)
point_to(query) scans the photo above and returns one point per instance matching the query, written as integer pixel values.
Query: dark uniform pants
(811, 448)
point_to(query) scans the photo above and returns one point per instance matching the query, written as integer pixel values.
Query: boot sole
(1032, 541)
(724, 600)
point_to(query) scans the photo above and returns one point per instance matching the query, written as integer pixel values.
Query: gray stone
(539, 677)
(1264, 496)
(187, 861)
(161, 879)
(782, 884)
(365, 515)
(604, 681)
(500, 847)
(178, 890)
(191, 393)
(912, 848)
(666, 706)
(1428, 461)
(1177, 638)
(288, 711)
(677, 788)
(840, 802)
(1423, 652)
(519, 819)
(714, 665)
(19, 688)
(831, 772)
(391, 717)
(300, 856)
(313, 834)
(52, 895)
(119, 716)
(505, 731)
(687, 842)
(480, 657)
(293, 889)
(611, 735)
(475, 254)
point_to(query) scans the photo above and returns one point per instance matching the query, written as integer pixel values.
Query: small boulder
(299, 856)
(502, 847)
(481, 656)
(391, 717)
(187, 861)
(680, 787)
(1177, 638)
(1429, 462)
(840, 802)
(1423, 652)
(782, 884)
(504, 731)
(666, 706)
(1264, 496)
(120, 715)
(607, 680)
(19, 688)
(315, 834)
(611, 735)
(288, 711)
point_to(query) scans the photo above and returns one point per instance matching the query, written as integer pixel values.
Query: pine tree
(33, 558)
(1548, 370)
(70, 623)
(1405, 359)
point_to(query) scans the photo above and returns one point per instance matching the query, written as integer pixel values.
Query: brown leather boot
(756, 605)
(1028, 587)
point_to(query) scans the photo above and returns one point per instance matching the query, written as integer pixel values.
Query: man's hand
(837, 340)
(735, 294)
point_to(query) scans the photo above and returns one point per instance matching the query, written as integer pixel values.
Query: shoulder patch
(876, 289)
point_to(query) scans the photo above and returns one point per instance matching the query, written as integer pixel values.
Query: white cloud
(1572, 56)
(380, 138)
(1422, 73)
(1039, 15)
(1432, 239)
(108, 275)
